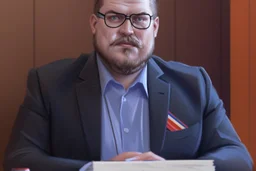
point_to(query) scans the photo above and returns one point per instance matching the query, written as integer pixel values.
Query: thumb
(126, 155)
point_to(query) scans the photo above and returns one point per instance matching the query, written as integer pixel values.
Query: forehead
(127, 6)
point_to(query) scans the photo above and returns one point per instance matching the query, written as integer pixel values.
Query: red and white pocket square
(174, 124)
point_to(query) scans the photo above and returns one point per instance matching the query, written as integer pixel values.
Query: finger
(126, 155)
(147, 156)
(131, 154)
(155, 158)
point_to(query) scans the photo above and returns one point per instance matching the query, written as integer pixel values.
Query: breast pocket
(182, 144)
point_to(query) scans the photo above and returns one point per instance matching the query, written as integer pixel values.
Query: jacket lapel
(159, 93)
(89, 101)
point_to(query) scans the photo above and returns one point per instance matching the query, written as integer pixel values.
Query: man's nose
(127, 28)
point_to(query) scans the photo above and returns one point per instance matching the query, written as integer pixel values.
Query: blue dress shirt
(125, 114)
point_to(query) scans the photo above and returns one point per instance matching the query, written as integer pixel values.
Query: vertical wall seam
(175, 31)
(249, 73)
(221, 50)
(34, 33)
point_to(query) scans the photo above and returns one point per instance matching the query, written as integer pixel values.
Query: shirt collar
(106, 77)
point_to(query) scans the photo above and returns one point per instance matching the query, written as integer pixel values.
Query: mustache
(128, 40)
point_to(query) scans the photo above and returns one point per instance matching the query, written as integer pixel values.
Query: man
(122, 103)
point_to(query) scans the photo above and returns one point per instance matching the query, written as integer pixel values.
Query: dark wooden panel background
(197, 33)
(16, 53)
(36, 32)
(61, 29)
(243, 71)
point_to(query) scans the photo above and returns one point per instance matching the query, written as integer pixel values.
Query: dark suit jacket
(58, 127)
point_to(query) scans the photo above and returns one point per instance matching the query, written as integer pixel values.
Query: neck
(125, 80)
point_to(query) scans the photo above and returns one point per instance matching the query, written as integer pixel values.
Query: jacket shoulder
(58, 73)
(59, 66)
(177, 68)
(63, 66)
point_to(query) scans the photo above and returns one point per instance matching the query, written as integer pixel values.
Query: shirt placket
(128, 131)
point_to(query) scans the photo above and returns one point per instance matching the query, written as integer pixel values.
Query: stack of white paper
(173, 165)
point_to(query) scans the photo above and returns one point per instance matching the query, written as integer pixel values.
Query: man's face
(124, 49)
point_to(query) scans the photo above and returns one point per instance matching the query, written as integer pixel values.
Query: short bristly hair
(153, 3)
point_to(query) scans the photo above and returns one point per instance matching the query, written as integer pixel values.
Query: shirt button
(126, 130)
(124, 99)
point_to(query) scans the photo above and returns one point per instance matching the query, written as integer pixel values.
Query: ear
(156, 26)
(93, 22)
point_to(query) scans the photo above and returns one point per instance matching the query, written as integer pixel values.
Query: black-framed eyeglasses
(114, 20)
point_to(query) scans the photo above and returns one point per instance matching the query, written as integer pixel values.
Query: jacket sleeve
(29, 144)
(220, 141)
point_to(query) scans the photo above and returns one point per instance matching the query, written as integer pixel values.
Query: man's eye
(114, 18)
(140, 18)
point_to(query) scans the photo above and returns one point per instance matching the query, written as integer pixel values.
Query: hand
(126, 155)
(136, 156)
(146, 157)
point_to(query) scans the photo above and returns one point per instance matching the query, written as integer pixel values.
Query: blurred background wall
(243, 71)
(36, 32)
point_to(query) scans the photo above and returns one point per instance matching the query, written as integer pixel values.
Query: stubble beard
(126, 67)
